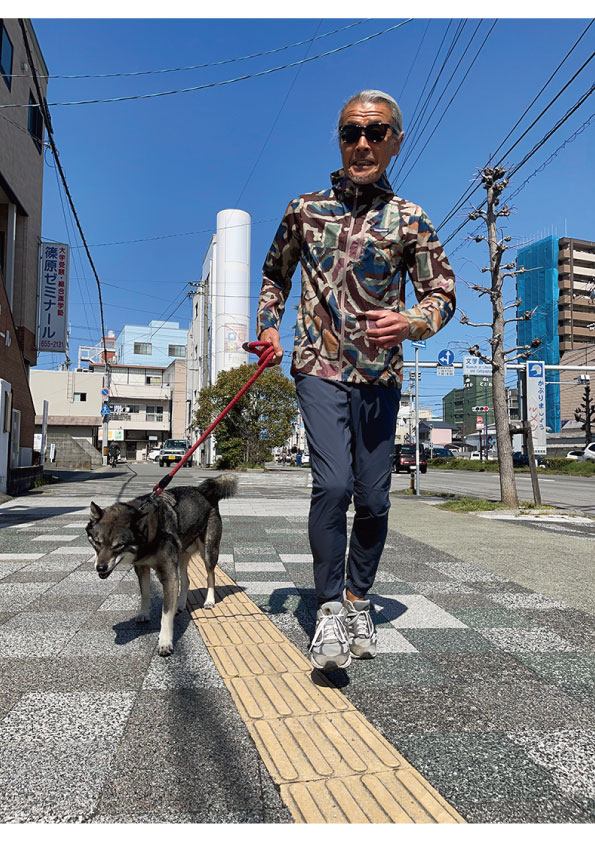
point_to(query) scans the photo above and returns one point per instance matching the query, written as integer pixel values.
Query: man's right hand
(271, 335)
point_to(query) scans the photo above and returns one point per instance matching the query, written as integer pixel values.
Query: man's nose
(362, 142)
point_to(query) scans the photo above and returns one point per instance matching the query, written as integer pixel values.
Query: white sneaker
(360, 628)
(329, 649)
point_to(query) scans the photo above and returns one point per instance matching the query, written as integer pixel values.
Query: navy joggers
(350, 430)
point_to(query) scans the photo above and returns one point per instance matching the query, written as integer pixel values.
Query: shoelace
(330, 627)
(361, 625)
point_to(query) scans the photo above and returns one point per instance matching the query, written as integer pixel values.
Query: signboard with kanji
(53, 297)
(536, 405)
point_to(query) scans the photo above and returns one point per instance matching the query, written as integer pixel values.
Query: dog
(162, 533)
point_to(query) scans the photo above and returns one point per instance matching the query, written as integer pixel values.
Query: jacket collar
(345, 188)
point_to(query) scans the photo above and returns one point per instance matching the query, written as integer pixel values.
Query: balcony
(139, 391)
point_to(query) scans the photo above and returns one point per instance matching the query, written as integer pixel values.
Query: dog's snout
(101, 568)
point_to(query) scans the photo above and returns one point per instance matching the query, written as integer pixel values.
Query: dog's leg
(211, 555)
(184, 582)
(170, 582)
(144, 579)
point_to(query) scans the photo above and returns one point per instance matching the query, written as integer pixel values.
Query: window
(143, 348)
(80, 397)
(176, 351)
(133, 409)
(154, 413)
(35, 122)
(5, 55)
(153, 380)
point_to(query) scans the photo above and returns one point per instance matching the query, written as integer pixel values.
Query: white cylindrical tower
(231, 291)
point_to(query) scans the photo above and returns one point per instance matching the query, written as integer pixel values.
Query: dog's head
(116, 533)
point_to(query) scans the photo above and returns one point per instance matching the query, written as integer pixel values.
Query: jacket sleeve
(432, 277)
(278, 269)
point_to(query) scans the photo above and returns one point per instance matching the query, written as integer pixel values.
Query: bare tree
(494, 182)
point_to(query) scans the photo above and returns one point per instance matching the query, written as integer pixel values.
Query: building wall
(59, 389)
(175, 377)
(160, 335)
(21, 184)
(576, 274)
(571, 393)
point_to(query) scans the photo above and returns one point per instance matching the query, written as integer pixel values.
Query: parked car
(404, 458)
(153, 455)
(441, 453)
(576, 455)
(589, 451)
(519, 460)
(174, 450)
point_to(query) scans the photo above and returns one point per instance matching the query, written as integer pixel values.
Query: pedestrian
(113, 453)
(355, 243)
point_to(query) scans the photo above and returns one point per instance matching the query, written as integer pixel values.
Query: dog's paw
(143, 617)
(165, 649)
(209, 603)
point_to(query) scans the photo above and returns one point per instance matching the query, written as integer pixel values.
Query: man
(113, 453)
(355, 242)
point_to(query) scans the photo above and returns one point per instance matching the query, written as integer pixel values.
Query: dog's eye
(119, 548)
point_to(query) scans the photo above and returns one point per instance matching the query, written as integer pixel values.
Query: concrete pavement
(484, 682)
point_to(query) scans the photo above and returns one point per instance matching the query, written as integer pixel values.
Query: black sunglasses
(374, 132)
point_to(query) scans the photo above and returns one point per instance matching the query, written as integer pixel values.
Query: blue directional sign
(419, 343)
(446, 357)
(535, 369)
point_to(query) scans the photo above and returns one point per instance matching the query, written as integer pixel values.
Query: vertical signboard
(53, 297)
(536, 405)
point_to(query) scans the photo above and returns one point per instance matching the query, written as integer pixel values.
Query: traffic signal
(480, 408)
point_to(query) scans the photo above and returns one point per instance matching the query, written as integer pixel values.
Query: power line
(42, 105)
(193, 66)
(530, 154)
(475, 57)
(470, 190)
(221, 83)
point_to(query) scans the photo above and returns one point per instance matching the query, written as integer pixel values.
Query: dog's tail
(217, 489)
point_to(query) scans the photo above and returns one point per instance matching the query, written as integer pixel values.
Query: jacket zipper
(344, 282)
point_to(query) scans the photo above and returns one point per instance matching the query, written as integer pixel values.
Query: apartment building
(157, 344)
(21, 184)
(576, 297)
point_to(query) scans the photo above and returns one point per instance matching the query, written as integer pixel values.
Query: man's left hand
(386, 329)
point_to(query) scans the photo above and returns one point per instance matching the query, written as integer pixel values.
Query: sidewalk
(484, 681)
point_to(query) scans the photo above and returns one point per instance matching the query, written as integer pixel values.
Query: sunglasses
(374, 132)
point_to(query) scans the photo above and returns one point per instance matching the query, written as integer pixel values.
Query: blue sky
(147, 168)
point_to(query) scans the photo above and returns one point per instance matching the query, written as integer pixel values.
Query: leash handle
(265, 353)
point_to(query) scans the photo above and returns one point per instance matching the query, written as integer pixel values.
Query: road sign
(105, 410)
(446, 357)
(419, 343)
(105, 393)
(473, 365)
(445, 370)
(479, 419)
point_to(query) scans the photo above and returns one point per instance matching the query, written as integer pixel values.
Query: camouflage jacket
(355, 244)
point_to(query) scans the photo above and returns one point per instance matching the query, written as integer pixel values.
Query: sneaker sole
(330, 665)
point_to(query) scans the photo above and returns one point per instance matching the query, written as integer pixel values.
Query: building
(559, 285)
(220, 315)
(157, 344)
(457, 405)
(74, 416)
(21, 184)
(139, 404)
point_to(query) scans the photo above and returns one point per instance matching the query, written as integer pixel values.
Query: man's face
(364, 162)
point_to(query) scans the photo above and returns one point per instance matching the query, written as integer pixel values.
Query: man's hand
(385, 328)
(271, 335)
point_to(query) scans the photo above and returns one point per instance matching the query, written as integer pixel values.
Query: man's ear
(96, 512)
(397, 144)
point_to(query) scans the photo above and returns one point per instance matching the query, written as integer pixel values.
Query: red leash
(265, 354)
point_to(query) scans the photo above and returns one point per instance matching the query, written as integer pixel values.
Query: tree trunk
(508, 491)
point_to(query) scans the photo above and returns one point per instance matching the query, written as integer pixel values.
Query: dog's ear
(96, 512)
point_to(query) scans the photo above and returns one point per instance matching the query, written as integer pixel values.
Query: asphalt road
(562, 491)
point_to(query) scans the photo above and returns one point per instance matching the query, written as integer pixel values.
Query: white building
(220, 315)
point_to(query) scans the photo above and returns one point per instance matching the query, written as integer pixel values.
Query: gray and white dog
(162, 535)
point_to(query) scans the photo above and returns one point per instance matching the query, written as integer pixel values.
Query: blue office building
(538, 290)
(156, 344)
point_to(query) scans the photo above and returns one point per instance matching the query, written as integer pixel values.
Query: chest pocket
(380, 255)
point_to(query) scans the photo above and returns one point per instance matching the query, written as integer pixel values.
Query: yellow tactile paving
(331, 764)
